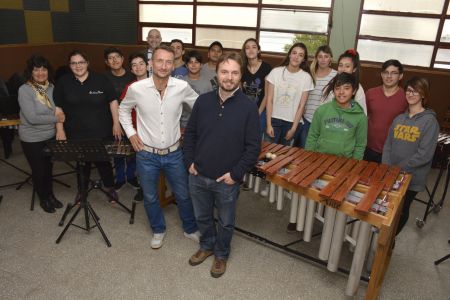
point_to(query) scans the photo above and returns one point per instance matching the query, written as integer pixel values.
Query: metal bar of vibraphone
(292, 251)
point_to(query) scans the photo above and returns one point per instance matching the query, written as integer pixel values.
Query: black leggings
(409, 198)
(104, 169)
(41, 168)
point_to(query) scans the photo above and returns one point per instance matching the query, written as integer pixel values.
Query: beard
(228, 87)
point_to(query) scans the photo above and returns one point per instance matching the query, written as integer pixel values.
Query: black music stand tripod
(84, 152)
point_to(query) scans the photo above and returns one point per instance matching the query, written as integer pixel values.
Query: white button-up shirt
(158, 119)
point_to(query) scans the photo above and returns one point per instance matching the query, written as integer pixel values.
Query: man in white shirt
(158, 101)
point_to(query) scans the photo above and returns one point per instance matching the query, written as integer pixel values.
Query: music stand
(81, 151)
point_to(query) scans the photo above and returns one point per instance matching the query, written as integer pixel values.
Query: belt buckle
(163, 151)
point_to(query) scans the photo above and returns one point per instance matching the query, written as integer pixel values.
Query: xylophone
(344, 188)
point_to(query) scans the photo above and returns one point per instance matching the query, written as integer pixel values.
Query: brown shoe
(218, 268)
(199, 257)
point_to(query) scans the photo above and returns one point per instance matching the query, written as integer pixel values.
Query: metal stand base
(442, 259)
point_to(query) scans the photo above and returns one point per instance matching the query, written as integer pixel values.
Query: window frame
(437, 44)
(257, 29)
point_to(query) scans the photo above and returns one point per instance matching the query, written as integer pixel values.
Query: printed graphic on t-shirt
(337, 124)
(253, 89)
(285, 94)
(406, 133)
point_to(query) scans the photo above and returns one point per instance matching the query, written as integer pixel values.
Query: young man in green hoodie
(339, 127)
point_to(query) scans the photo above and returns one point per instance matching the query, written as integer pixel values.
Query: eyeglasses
(411, 92)
(387, 74)
(78, 63)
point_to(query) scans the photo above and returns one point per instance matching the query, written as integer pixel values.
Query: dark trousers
(409, 198)
(371, 155)
(105, 171)
(41, 168)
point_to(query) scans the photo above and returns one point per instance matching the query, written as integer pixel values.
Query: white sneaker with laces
(157, 240)
(265, 191)
(195, 236)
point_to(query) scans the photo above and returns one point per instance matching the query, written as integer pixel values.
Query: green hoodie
(339, 131)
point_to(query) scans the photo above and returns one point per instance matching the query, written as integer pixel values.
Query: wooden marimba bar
(347, 187)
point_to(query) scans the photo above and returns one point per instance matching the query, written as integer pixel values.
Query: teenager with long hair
(287, 91)
(254, 76)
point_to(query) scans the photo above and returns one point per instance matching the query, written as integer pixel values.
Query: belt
(164, 151)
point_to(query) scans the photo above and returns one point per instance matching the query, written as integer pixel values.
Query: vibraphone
(361, 190)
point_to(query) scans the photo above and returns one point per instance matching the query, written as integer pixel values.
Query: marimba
(366, 191)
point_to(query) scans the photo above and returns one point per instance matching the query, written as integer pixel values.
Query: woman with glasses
(89, 103)
(37, 127)
(412, 140)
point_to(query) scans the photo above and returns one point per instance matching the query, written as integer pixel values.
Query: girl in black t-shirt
(253, 78)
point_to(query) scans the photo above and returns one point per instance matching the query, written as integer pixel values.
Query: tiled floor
(33, 266)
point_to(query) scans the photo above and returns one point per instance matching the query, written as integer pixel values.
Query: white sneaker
(265, 192)
(157, 240)
(195, 236)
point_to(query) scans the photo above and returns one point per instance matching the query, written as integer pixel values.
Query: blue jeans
(263, 122)
(125, 163)
(206, 194)
(301, 134)
(149, 166)
(280, 128)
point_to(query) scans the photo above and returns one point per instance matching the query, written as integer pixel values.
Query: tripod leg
(442, 259)
(94, 216)
(446, 185)
(431, 203)
(86, 215)
(66, 212)
(133, 210)
(67, 226)
(23, 183)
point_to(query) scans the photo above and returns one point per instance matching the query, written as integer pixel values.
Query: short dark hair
(37, 61)
(420, 85)
(110, 50)
(193, 54)
(339, 80)
(177, 41)
(136, 55)
(215, 43)
(165, 48)
(77, 52)
(392, 62)
(230, 56)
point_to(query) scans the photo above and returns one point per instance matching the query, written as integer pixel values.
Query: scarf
(41, 92)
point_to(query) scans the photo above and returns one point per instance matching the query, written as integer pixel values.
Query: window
(416, 32)
(275, 23)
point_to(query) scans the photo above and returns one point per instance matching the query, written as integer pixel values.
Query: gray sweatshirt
(37, 121)
(410, 145)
